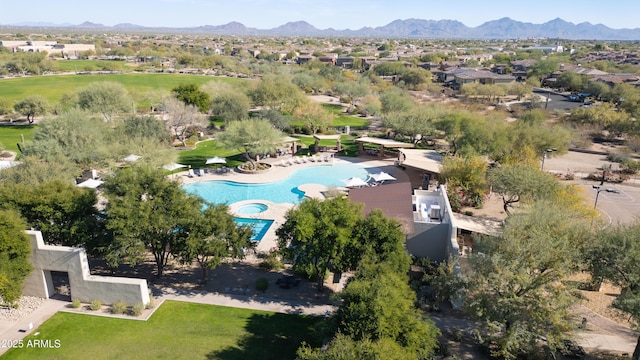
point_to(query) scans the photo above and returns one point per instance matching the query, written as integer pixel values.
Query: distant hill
(504, 28)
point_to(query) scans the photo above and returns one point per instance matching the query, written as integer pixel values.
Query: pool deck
(277, 212)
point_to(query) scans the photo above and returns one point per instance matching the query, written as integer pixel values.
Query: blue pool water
(260, 226)
(284, 191)
(252, 209)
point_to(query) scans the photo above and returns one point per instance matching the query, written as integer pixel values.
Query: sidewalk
(245, 302)
(10, 331)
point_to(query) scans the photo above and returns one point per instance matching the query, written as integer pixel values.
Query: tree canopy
(31, 106)
(214, 237)
(106, 98)
(65, 213)
(514, 284)
(146, 211)
(316, 233)
(191, 94)
(15, 250)
(613, 255)
(253, 136)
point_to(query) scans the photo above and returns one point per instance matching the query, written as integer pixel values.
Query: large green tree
(316, 234)
(15, 250)
(74, 135)
(313, 115)
(66, 214)
(214, 237)
(229, 106)
(416, 123)
(191, 94)
(379, 304)
(277, 92)
(515, 183)
(106, 98)
(31, 106)
(613, 255)
(253, 136)
(146, 212)
(513, 285)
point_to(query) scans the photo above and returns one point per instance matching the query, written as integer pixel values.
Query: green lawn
(178, 330)
(53, 87)
(10, 135)
(349, 146)
(88, 65)
(344, 119)
(206, 149)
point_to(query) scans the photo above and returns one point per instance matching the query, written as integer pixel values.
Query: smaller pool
(252, 208)
(260, 226)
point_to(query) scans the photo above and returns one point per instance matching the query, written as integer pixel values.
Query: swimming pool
(284, 191)
(260, 226)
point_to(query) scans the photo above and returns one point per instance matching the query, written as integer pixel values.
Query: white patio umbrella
(173, 166)
(354, 182)
(216, 160)
(5, 164)
(91, 183)
(132, 158)
(382, 176)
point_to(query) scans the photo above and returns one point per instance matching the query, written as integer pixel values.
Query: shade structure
(173, 166)
(91, 183)
(382, 176)
(216, 160)
(131, 158)
(354, 182)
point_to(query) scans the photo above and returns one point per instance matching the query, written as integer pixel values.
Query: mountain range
(504, 28)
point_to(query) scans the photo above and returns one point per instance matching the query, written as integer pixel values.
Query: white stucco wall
(84, 286)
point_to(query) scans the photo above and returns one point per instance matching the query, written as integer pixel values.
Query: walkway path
(12, 332)
(246, 302)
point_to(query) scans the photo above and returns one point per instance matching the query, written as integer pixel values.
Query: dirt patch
(238, 278)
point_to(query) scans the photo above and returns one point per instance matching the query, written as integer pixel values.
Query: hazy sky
(342, 14)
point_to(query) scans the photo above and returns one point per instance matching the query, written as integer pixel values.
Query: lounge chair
(190, 173)
(297, 160)
(283, 163)
(304, 158)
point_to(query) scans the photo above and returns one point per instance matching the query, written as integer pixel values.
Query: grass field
(177, 330)
(206, 149)
(53, 87)
(10, 135)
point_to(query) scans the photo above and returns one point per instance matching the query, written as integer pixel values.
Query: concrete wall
(429, 240)
(437, 241)
(84, 286)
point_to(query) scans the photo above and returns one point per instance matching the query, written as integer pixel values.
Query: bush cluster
(119, 307)
(95, 305)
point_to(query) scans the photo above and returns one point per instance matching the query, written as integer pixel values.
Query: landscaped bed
(177, 330)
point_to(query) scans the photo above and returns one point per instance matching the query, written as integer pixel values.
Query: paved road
(622, 207)
(556, 101)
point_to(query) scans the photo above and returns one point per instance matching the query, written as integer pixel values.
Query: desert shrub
(95, 305)
(152, 302)
(119, 307)
(271, 262)
(618, 157)
(262, 284)
(136, 309)
(631, 166)
(75, 303)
